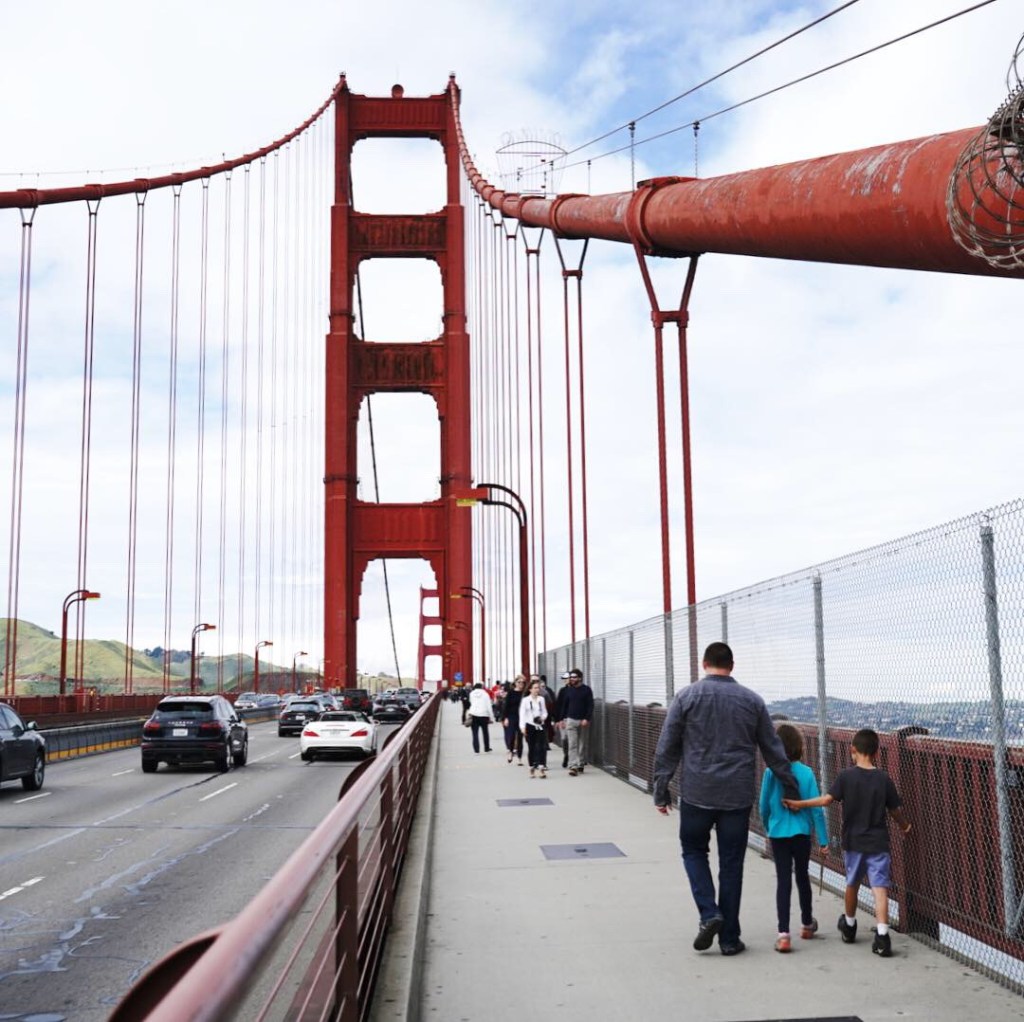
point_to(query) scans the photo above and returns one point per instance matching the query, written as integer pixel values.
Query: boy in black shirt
(865, 793)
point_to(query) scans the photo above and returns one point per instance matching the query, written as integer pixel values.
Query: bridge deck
(510, 931)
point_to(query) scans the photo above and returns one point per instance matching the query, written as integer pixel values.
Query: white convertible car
(338, 731)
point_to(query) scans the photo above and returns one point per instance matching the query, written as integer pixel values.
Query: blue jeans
(732, 825)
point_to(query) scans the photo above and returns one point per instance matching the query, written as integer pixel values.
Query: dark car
(294, 716)
(391, 710)
(194, 729)
(22, 750)
(356, 699)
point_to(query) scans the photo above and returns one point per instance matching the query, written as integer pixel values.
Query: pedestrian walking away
(481, 714)
(533, 720)
(711, 734)
(574, 709)
(789, 834)
(866, 795)
(510, 721)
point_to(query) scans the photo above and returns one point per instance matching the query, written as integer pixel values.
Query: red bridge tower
(356, 531)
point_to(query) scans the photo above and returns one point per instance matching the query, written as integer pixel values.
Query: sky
(832, 407)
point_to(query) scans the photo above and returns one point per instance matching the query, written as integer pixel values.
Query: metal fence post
(631, 725)
(725, 621)
(819, 660)
(1011, 913)
(670, 672)
(604, 701)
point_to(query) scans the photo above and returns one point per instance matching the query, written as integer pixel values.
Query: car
(411, 697)
(268, 701)
(356, 699)
(296, 715)
(22, 750)
(194, 729)
(338, 731)
(247, 701)
(391, 710)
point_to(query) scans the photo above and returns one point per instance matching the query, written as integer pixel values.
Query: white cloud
(832, 406)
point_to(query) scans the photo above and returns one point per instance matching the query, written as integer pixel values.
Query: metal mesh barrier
(922, 639)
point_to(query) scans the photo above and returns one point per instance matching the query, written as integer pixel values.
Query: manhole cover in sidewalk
(503, 802)
(601, 850)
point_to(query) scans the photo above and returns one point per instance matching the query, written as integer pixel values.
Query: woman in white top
(481, 713)
(533, 715)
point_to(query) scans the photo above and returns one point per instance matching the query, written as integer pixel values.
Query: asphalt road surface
(106, 869)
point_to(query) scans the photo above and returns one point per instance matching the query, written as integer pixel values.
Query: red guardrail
(309, 944)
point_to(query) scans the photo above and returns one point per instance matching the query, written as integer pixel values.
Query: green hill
(38, 665)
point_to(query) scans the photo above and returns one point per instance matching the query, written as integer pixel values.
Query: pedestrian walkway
(511, 933)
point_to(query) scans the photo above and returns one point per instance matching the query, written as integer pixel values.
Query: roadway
(107, 869)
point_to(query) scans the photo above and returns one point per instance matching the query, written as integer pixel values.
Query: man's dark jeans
(732, 825)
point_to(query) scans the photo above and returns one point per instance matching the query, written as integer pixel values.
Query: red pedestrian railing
(309, 945)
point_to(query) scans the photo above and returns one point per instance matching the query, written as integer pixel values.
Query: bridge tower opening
(359, 531)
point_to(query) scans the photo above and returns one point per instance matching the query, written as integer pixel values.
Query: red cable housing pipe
(883, 206)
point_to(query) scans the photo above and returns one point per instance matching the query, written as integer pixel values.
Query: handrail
(884, 206)
(32, 198)
(331, 900)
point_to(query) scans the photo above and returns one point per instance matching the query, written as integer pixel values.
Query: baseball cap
(566, 675)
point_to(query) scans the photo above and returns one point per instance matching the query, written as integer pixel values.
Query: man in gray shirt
(714, 727)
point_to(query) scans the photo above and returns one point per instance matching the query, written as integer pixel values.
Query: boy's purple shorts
(874, 864)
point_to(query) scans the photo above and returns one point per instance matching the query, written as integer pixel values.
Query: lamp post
(481, 495)
(256, 667)
(475, 594)
(69, 601)
(301, 652)
(192, 670)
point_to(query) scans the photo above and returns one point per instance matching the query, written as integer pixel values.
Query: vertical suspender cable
(243, 422)
(133, 461)
(172, 424)
(85, 457)
(224, 395)
(568, 444)
(583, 455)
(261, 306)
(204, 251)
(373, 458)
(282, 414)
(272, 494)
(18, 457)
(532, 252)
(297, 344)
(540, 442)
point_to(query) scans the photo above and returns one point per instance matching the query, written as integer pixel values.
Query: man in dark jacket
(715, 727)
(574, 709)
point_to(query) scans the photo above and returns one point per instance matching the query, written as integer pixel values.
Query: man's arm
(668, 754)
(775, 756)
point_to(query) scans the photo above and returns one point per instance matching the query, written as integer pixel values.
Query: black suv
(194, 729)
(356, 699)
(22, 750)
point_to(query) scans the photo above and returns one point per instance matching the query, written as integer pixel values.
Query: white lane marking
(295, 755)
(220, 791)
(266, 755)
(20, 888)
(42, 794)
(121, 773)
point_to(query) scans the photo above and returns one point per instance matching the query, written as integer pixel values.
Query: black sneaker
(732, 949)
(706, 933)
(848, 932)
(882, 945)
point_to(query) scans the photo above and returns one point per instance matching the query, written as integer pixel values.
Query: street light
(256, 668)
(192, 670)
(301, 652)
(481, 495)
(475, 594)
(72, 598)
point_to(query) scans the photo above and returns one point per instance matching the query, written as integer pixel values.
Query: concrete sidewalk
(511, 933)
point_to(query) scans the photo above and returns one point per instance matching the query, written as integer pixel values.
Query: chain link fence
(922, 639)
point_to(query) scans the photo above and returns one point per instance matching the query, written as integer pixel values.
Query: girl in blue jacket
(790, 835)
